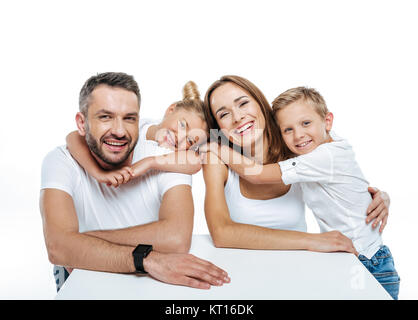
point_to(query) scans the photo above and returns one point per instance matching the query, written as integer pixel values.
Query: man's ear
(81, 122)
(170, 109)
(329, 118)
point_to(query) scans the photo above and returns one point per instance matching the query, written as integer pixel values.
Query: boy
(333, 185)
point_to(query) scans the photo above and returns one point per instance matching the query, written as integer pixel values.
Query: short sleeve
(316, 166)
(59, 172)
(168, 180)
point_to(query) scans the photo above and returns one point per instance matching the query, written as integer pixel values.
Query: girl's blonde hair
(191, 100)
(309, 95)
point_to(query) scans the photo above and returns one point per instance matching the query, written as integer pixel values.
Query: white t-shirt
(100, 207)
(335, 189)
(286, 212)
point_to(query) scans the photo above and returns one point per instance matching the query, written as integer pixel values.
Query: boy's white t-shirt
(100, 207)
(335, 189)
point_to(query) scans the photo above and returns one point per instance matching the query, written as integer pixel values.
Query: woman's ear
(329, 118)
(170, 109)
(81, 122)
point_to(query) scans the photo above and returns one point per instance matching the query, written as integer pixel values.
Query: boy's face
(302, 128)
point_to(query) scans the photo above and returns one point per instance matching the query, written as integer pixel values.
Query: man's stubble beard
(94, 147)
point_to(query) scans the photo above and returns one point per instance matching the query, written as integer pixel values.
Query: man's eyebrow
(110, 112)
(104, 111)
(130, 114)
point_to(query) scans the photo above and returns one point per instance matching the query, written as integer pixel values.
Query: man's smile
(115, 145)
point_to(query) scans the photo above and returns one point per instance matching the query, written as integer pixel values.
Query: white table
(255, 275)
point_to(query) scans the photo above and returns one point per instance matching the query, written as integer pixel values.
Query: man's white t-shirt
(100, 207)
(335, 189)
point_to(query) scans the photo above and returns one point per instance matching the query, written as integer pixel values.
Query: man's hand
(184, 269)
(378, 210)
(114, 177)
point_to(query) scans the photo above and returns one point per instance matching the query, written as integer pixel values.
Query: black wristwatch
(139, 254)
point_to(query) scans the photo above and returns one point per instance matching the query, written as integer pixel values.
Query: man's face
(111, 126)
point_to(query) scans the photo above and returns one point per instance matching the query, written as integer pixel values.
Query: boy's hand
(378, 210)
(115, 177)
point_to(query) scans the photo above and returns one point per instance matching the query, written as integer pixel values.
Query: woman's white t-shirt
(286, 212)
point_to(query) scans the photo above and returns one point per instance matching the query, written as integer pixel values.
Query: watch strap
(139, 254)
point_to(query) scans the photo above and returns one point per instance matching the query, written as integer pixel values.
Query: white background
(361, 55)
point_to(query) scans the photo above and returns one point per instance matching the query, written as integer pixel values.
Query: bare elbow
(217, 243)
(54, 253)
(219, 239)
(179, 244)
(58, 253)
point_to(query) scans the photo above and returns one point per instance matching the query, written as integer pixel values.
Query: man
(88, 225)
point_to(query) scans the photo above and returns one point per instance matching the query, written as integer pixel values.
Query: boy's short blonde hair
(310, 95)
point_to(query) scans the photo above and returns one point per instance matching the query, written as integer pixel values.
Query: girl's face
(238, 114)
(181, 129)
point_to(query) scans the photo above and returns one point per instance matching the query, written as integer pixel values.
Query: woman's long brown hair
(277, 148)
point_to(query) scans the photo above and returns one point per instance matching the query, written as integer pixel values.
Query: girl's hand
(141, 167)
(115, 177)
(378, 210)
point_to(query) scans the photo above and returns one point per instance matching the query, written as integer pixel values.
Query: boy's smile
(302, 128)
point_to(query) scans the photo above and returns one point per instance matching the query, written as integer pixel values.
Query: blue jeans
(60, 275)
(382, 267)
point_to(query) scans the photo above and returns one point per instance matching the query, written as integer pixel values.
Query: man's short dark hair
(112, 79)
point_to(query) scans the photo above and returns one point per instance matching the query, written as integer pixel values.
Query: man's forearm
(163, 236)
(82, 251)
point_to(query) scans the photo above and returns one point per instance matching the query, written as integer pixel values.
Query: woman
(240, 214)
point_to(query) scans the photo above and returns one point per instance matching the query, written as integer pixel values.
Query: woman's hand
(332, 241)
(115, 177)
(378, 210)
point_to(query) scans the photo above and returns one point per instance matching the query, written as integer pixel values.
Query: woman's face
(238, 114)
(181, 129)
